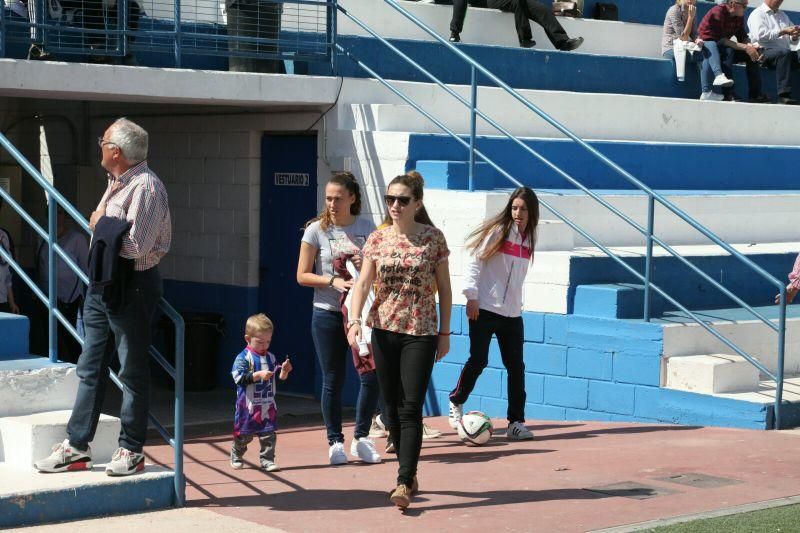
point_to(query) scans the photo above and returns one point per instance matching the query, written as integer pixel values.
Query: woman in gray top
(338, 231)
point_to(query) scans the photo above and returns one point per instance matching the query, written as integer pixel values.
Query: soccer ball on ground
(475, 428)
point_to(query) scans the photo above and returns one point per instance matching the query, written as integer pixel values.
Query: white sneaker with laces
(270, 466)
(721, 80)
(124, 463)
(364, 449)
(518, 431)
(336, 454)
(456, 412)
(65, 458)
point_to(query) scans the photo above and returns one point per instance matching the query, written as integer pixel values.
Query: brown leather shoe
(401, 496)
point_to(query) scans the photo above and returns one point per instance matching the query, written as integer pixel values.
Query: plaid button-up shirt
(719, 24)
(139, 197)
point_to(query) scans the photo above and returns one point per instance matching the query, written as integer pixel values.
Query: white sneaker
(712, 96)
(364, 449)
(380, 423)
(517, 431)
(456, 412)
(722, 81)
(65, 458)
(429, 432)
(124, 463)
(375, 430)
(336, 454)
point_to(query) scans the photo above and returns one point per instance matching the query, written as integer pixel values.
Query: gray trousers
(266, 440)
(254, 20)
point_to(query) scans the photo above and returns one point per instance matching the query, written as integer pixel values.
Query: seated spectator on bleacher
(259, 22)
(772, 30)
(679, 40)
(523, 11)
(722, 23)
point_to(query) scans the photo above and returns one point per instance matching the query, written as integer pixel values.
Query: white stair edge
(709, 374)
(28, 438)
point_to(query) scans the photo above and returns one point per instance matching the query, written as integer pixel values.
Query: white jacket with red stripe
(497, 282)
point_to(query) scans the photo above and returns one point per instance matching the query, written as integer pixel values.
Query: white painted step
(491, 26)
(35, 385)
(709, 374)
(28, 438)
(752, 336)
(366, 105)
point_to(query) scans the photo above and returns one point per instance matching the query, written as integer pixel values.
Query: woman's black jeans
(404, 364)
(510, 337)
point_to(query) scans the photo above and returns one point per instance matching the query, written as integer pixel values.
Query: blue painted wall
(660, 166)
(585, 368)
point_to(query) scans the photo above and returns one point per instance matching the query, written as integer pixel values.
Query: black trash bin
(201, 344)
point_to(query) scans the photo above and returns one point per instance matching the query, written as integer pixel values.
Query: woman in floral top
(407, 261)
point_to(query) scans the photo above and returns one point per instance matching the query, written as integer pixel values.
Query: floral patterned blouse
(405, 295)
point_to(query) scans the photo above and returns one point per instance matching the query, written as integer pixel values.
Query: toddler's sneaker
(336, 454)
(456, 412)
(375, 430)
(236, 461)
(364, 449)
(710, 95)
(517, 431)
(270, 466)
(124, 463)
(65, 458)
(430, 433)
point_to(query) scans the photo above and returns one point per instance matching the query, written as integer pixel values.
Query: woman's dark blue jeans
(333, 352)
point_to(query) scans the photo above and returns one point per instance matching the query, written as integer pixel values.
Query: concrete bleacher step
(24, 439)
(32, 384)
(28, 497)
(615, 300)
(493, 27)
(709, 374)
(684, 337)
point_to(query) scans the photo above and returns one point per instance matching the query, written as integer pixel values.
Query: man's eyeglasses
(102, 142)
(390, 200)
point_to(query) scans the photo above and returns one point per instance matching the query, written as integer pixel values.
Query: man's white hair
(131, 139)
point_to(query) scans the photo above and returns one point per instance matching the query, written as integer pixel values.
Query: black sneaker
(37, 53)
(455, 37)
(787, 100)
(760, 99)
(571, 44)
(527, 43)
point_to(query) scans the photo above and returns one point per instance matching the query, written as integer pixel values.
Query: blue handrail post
(52, 280)
(177, 16)
(122, 31)
(180, 483)
(781, 353)
(472, 120)
(648, 262)
(333, 14)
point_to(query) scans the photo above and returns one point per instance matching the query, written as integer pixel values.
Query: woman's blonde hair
(258, 325)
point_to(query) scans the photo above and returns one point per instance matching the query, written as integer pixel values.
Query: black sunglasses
(390, 199)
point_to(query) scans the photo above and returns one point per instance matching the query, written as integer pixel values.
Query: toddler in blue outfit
(254, 374)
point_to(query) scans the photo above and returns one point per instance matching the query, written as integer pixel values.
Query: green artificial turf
(785, 519)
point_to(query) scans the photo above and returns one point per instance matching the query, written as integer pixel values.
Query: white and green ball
(475, 428)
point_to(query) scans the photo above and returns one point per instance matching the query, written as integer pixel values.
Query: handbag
(566, 9)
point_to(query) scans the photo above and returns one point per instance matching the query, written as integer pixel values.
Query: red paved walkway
(533, 486)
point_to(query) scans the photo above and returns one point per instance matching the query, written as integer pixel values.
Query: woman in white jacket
(502, 251)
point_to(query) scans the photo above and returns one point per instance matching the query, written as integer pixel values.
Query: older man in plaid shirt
(134, 195)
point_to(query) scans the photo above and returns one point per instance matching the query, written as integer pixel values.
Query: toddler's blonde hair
(258, 324)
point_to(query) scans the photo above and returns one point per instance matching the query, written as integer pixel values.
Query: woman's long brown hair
(503, 221)
(414, 181)
(350, 183)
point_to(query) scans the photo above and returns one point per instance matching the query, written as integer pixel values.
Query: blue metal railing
(55, 199)
(295, 30)
(652, 195)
